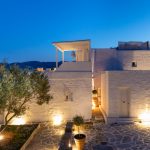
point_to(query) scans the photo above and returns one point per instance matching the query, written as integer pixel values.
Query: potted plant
(94, 92)
(95, 98)
(79, 138)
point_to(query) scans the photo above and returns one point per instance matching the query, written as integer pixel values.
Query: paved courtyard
(119, 137)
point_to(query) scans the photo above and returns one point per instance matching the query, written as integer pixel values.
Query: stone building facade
(121, 76)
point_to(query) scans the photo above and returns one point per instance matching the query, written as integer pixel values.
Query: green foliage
(40, 85)
(78, 120)
(20, 135)
(18, 88)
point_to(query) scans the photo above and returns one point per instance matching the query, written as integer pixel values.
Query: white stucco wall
(113, 59)
(138, 82)
(102, 59)
(141, 57)
(62, 83)
(104, 94)
(79, 66)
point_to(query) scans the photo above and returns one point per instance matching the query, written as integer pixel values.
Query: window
(134, 64)
(69, 97)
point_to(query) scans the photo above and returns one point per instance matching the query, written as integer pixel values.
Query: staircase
(96, 112)
(125, 120)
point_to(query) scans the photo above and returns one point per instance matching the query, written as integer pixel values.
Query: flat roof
(72, 45)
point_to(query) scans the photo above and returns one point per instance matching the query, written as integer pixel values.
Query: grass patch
(15, 136)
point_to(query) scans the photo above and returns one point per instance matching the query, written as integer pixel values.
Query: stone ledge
(30, 138)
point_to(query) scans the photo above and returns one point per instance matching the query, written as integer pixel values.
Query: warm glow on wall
(57, 120)
(61, 132)
(18, 121)
(145, 116)
(93, 105)
(1, 137)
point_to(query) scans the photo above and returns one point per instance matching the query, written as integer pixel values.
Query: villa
(120, 75)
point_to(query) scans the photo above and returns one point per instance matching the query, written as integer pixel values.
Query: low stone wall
(30, 138)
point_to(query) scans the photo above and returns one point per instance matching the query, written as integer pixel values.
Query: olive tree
(18, 88)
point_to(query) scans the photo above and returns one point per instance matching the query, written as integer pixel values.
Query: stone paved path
(120, 137)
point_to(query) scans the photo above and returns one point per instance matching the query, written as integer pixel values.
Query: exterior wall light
(93, 105)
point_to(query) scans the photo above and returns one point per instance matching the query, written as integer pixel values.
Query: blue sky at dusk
(28, 27)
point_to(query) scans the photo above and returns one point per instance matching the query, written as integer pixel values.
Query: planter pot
(94, 95)
(80, 141)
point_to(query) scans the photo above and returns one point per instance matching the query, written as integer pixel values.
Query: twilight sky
(28, 27)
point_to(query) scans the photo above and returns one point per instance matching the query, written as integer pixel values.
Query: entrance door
(124, 102)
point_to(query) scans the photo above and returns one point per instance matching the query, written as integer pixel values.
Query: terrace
(80, 49)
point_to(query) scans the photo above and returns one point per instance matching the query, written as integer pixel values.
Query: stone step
(125, 120)
(98, 117)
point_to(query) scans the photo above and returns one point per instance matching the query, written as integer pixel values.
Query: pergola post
(56, 58)
(63, 57)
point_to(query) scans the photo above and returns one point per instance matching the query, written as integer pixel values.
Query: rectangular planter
(24, 146)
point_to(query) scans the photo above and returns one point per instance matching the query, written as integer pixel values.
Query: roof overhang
(72, 45)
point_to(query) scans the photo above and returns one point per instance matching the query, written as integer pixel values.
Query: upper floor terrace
(81, 49)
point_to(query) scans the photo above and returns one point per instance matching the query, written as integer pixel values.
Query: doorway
(124, 102)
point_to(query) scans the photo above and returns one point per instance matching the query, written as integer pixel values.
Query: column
(63, 57)
(56, 58)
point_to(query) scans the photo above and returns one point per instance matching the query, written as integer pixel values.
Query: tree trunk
(7, 121)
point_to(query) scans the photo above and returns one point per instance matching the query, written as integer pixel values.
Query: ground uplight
(57, 120)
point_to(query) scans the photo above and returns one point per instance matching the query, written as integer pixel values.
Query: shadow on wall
(113, 64)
